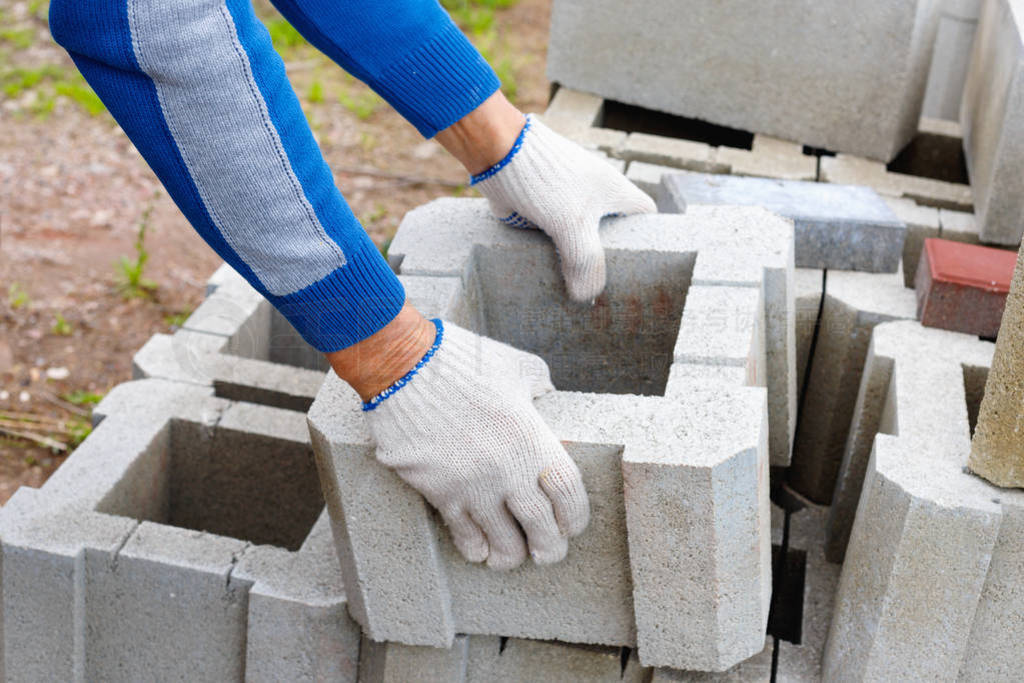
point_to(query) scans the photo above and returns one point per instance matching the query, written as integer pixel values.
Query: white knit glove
(462, 430)
(549, 182)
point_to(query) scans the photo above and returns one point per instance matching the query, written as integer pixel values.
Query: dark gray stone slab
(843, 227)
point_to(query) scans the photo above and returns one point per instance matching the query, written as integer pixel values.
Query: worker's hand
(463, 432)
(549, 182)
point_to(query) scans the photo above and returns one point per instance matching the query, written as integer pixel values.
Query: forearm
(201, 93)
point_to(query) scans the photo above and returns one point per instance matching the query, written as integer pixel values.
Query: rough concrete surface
(836, 226)
(992, 114)
(997, 452)
(810, 286)
(846, 169)
(238, 343)
(621, 583)
(662, 56)
(800, 663)
(951, 57)
(158, 549)
(768, 157)
(854, 303)
(931, 588)
(922, 222)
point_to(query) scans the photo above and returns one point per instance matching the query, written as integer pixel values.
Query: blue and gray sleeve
(201, 93)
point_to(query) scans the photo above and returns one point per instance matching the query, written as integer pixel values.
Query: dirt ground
(74, 193)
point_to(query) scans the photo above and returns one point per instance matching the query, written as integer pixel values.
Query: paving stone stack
(800, 71)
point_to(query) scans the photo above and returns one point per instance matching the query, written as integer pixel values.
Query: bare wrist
(484, 136)
(377, 362)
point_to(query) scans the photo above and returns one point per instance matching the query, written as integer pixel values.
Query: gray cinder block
(851, 170)
(621, 583)
(810, 286)
(922, 222)
(802, 662)
(159, 549)
(236, 342)
(992, 114)
(662, 56)
(768, 157)
(951, 56)
(933, 583)
(854, 303)
(836, 226)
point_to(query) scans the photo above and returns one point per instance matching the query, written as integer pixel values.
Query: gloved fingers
(628, 199)
(535, 372)
(534, 513)
(506, 546)
(582, 258)
(468, 538)
(563, 484)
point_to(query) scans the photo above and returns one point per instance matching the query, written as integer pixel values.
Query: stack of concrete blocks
(992, 115)
(835, 226)
(854, 303)
(848, 169)
(783, 70)
(915, 200)
(951, 55)
(932, 587)
(660, 405)
(236, 342)
(158, 549)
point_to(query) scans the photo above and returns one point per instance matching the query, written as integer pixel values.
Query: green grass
(283, 35)
(17, 297)
(20, 38)
(476, 17)
(130, 271)
(61, 327)
(80, 93)
(80, 397)
(49, 82)
(363, 103)
(316, 92)
(385, 245)
(176, 320)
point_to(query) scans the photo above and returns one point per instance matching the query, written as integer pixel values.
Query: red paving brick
(963, 287)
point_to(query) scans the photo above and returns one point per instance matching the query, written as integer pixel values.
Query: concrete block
(926, 589)
(621, 583)
(850, 170)
(571, 111)
(992, 114)
(959, 226)
(799, 662)
(951, 56)
(648, 176)
(460, 238)
(854, 303)
(658, 149)
(803, 51)
(757, 669)
(922, 222)
(963, 287)
(769, 158)
(236, 342)
(836, 226)
(997, 453)
(159, 546)
(810, 287)
(492, 659)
